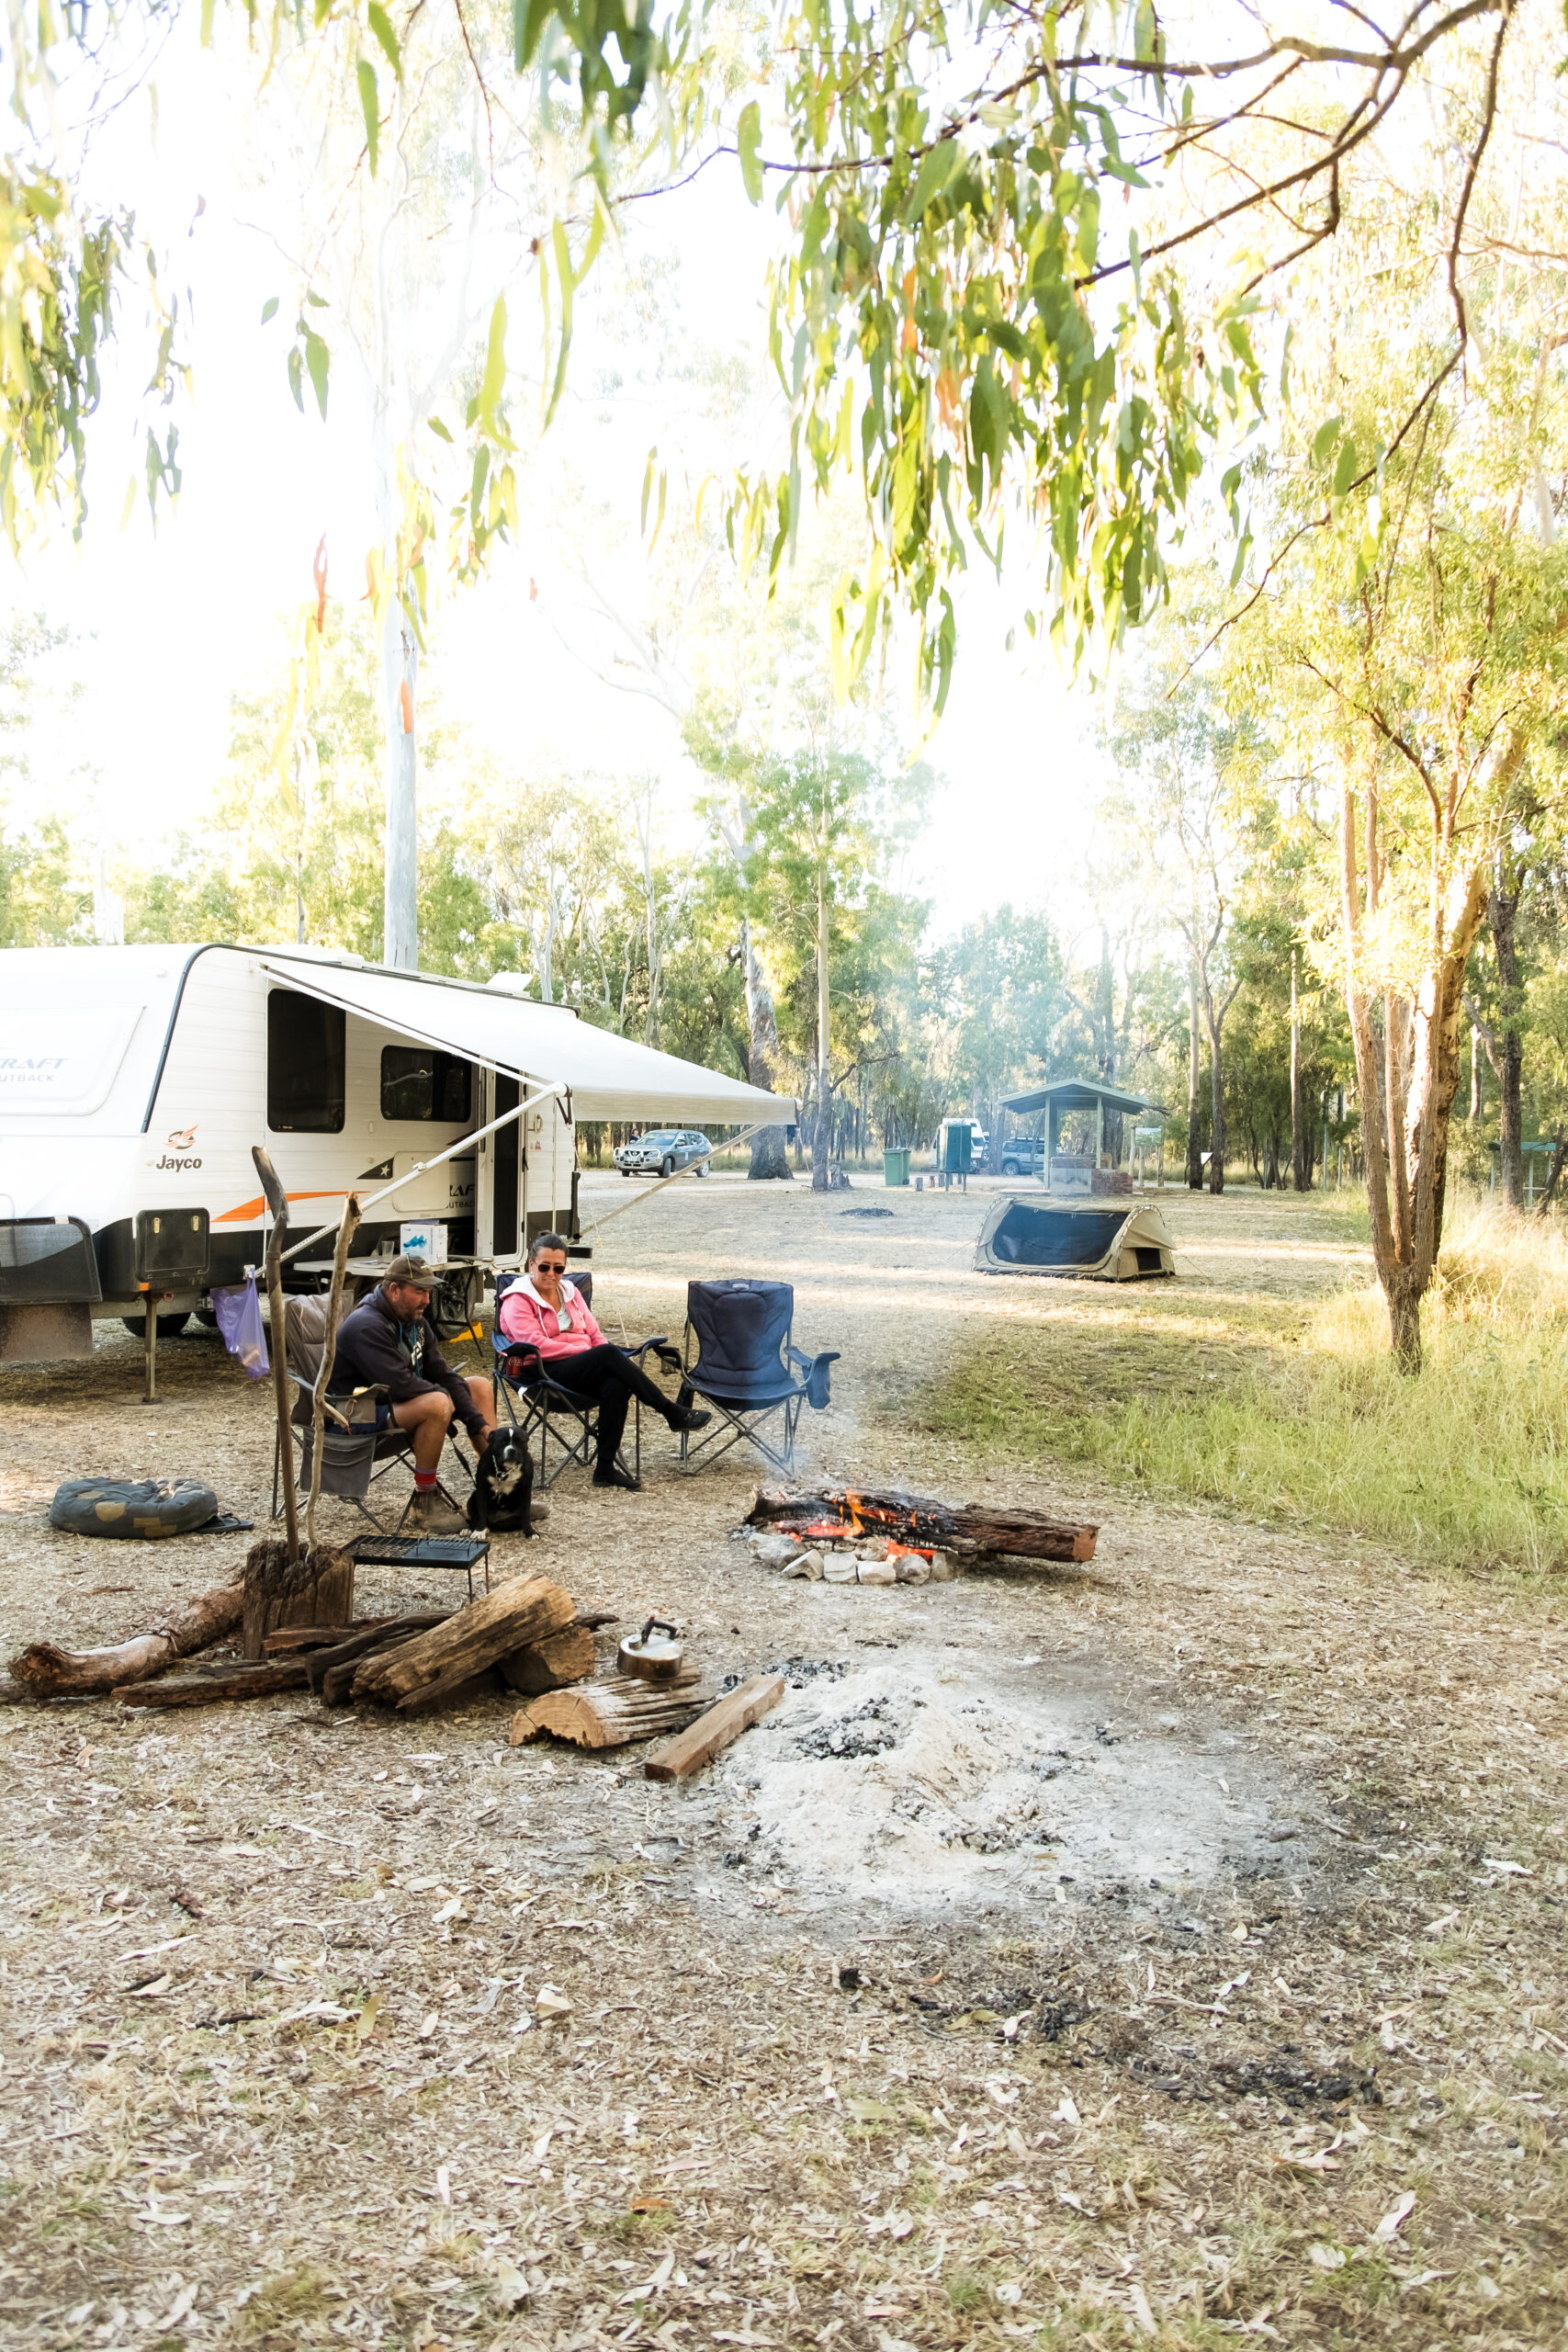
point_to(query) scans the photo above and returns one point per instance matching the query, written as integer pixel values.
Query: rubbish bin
(896, 1166)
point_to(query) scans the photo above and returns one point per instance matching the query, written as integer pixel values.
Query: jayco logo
(180, 1143)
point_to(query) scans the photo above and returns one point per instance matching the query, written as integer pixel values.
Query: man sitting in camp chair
(388, 1341)
(547, 1313)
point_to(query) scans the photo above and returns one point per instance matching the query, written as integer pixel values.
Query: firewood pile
(527, 1637)
(847, 1536)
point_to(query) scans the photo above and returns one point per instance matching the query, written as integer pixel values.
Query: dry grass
(324, 2128)
(1301, 1417)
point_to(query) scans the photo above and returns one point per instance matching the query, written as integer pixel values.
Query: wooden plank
(719, 1729)
(315, 1637)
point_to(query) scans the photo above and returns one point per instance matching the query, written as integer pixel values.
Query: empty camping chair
(569, 1422)
(356, 1453)
(748, 1368)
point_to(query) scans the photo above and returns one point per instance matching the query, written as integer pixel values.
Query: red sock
(424, 1481)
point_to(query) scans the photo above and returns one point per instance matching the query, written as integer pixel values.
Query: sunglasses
(549, 1266)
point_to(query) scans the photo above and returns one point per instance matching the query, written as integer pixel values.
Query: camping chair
(548, 1403)
(355, 1452)
(748, 1368)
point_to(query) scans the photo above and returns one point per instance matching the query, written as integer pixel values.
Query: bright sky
(179, 621)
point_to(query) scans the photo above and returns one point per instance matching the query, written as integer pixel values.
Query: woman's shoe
(688, 1416)
(618, 1477)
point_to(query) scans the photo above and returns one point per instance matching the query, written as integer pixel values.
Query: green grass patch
(1295, 1413)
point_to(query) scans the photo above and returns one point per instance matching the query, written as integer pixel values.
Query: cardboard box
(422, 1238)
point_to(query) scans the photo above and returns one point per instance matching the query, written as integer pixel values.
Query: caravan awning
(609, 1077)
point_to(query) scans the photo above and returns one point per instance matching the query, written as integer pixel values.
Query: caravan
(134, 1081)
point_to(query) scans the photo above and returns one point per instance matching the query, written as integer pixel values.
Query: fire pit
(919, 1523)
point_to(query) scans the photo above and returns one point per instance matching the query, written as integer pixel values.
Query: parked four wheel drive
(664, 1152)
(1024, 1157)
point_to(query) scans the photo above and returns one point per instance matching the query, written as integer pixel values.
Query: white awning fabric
(609, 1077)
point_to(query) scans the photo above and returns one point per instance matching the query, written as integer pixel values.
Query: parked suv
(662, 1151)
(1024, 1156)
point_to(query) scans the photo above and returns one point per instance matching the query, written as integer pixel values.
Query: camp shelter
(1112, 1241)
(1077, 1094)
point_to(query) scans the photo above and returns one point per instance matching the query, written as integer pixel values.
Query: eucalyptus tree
(1411, 631)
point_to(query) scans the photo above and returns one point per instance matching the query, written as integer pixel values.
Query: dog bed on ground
(140, 1509)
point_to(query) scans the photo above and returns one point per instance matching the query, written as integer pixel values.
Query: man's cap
(413, 1270)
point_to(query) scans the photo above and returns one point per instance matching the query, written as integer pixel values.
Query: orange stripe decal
(249, 1212)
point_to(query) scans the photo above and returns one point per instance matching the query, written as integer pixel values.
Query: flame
(908, 1551)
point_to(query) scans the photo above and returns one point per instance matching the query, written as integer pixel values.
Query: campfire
(908, 1524)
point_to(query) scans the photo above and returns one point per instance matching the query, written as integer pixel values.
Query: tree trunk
(317, 1589)
(46, 1671)
(822, 1137)
(1300, 1140)
(769, 1149)
(1502, 908)
(400, 666)
(1407, 1091)
(1194, 1141)
(1477, 1081)
(1217, 1101)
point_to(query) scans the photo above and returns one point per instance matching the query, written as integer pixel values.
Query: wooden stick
(218, 1682)
(46, 1671)
(277, 1338)
(719, 1729)
(345, 1233)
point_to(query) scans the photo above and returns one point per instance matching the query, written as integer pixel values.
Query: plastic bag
(239, 1314)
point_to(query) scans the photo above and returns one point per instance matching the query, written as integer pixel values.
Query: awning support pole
(544, 1094)
(637, 1198)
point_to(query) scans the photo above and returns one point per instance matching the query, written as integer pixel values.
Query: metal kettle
(656, 1654)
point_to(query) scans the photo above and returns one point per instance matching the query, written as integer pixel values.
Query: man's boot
(430, 1513)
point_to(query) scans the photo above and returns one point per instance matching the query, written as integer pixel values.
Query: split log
(316, 1589)
(452, 1690)
(567, 1656)
(523, 1611)
(332, 1671)
(609, 1713)
(719, 1729)
(920, 1521)
(317, 1637)
(206, 1688)
(46, 1671)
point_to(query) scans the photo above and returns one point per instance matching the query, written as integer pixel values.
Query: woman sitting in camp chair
(547, 1313)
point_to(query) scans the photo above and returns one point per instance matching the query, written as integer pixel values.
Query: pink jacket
(524, 1315)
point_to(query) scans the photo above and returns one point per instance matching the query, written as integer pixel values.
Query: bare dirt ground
(1167, 1950)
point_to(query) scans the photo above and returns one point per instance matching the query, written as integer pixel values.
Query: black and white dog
(502, 1499)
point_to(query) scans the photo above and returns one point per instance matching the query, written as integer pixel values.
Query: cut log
(712, 1733)
(332, 1671)
(206, 1688)
(46, 1671)
(317, 1637)
(453, 1690)
(523, 1611)
(846, 1513)
(609, 1713)
(315, 1589)
(567, 1656)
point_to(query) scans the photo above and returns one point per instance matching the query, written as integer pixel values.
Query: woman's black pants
(609, 1377)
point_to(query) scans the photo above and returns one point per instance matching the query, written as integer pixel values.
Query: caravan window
(306, 1060)
(421, 1083)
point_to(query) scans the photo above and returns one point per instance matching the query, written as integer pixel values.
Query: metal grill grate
(462, 1552)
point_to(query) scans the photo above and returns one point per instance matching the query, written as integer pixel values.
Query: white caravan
(134, 1081)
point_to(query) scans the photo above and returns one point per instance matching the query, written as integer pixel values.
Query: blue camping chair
(549, 1406)
(748, 1368)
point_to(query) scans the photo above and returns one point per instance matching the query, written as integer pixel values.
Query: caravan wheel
(169, 1326)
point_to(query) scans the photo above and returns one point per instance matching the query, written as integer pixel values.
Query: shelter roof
(1079, 1094)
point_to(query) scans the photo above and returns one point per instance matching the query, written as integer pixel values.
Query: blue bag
(239, 1314)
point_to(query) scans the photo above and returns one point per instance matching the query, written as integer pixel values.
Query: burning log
(610, 1713)
(46, 1671)
(919, 1523)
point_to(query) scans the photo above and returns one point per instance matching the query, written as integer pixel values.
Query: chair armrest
(308, 1389)
(668, 1356)
(807, 1363)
